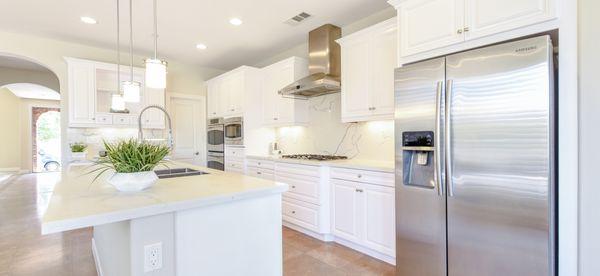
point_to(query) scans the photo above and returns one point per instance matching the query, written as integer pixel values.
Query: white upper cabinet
(430, 28)
(427, 24)
(227, 92)
(82, 100)
(91, 86)
(278, 110)
(368, 62)
(485, 17)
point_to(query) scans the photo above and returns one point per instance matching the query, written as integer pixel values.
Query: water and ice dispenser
(418, 160)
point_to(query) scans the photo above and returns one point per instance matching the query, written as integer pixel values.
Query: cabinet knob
(232, 109)
(275, 119)
(258, 163)
(359, 176)
(466, 29)
(359, 190)
(459, 31)
(293, 187)
(293, 212)
(258, 173)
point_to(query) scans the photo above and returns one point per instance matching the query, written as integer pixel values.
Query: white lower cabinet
(364, 213)
(235, 159)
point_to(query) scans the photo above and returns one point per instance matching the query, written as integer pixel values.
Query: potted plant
(133, 163)
(78, 151)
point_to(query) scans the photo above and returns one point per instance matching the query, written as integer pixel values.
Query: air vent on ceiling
(297, 19)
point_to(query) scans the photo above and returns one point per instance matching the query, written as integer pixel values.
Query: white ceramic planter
(133, 182)
(78, 156)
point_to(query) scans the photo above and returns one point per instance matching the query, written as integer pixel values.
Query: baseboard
(367, 251)
(24, 171)
(331, 238)
(318, 236)
(9, 169)
(96, 258)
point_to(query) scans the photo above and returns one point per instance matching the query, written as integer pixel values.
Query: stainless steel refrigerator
(475, 158)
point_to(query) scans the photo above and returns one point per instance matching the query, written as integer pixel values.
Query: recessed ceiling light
(200, 46)
(235, 21)
(88, 20)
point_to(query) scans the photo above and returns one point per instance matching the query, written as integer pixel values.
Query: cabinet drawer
(234, 152)
(260, 173)
(371, 177)
(260, 163)
(300, 215)
(234, 166)
(122, 120)
(104, 119)
(297, 169)
(301, 188)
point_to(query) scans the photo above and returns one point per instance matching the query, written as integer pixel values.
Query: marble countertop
(361, 164)
(77, 202)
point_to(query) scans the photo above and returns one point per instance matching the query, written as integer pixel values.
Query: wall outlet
(152, 257)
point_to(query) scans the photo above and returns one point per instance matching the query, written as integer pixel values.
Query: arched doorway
(45, 124)
(30, 114)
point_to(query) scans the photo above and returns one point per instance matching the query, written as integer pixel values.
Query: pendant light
(117, 102)
(156, 69)
(131, 88)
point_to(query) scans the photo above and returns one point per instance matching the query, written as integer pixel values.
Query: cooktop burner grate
(318, 157)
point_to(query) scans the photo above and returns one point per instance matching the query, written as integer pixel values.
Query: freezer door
(500, 160)
(420, 199)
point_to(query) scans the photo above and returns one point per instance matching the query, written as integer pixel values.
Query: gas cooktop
(317, 157)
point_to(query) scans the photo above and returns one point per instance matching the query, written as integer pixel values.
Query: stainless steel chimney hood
(324, 65)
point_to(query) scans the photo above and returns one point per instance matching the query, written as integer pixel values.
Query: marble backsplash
(94, 137)
(326, 134)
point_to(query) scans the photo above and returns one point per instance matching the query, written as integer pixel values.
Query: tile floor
(23, 251)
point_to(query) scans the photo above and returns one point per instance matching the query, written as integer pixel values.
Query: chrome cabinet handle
(359, 190)
(466, 29)
(448, 138)
(258, 173)
(437, 139)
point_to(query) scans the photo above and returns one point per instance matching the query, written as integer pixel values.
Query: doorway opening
(45, 131)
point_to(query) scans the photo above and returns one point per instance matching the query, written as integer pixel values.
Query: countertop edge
(156, 209)
(333, 164)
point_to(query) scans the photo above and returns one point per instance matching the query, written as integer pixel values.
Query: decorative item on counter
(78, 151)
(133, 163)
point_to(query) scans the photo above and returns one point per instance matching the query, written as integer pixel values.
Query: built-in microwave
(234, 131)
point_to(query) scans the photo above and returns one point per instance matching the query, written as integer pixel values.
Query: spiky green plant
(130, 156)
(78, 147)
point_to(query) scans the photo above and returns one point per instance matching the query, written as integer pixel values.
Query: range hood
(324, 65)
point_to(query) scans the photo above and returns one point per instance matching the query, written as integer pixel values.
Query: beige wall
(589, 134)
(10, 140)
(182, 78)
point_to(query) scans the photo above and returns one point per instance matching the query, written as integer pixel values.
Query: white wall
(589, 134)
(182, 78)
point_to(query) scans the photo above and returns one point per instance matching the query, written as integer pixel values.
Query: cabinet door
(379, 225)
(486, 17)
(346, 210)
(429, 24)
(382, 62)
(355, 72)
(236, 93)
(212, 99)
(154, 118)
(285, 107)
(270, 96)
(81, 93)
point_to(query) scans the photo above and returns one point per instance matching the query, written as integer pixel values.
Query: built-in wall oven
(216, 146)
(234, 131)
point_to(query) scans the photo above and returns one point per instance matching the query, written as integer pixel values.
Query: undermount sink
(179, 172)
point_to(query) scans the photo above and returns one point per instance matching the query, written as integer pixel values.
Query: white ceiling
(32, 91)
(184, 23)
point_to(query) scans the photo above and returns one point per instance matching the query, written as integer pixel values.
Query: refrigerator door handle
(448, 138)
(438, 139)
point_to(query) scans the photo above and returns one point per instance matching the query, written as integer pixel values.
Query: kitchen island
(217, 223)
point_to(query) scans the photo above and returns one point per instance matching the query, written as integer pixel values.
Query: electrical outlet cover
(152, 257)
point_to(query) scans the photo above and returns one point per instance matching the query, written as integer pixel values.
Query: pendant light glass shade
(156, 73)
(118, 104)
(131, 91)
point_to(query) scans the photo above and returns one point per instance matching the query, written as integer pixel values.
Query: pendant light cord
(155, 32)
(131, 38)
(118, 52)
